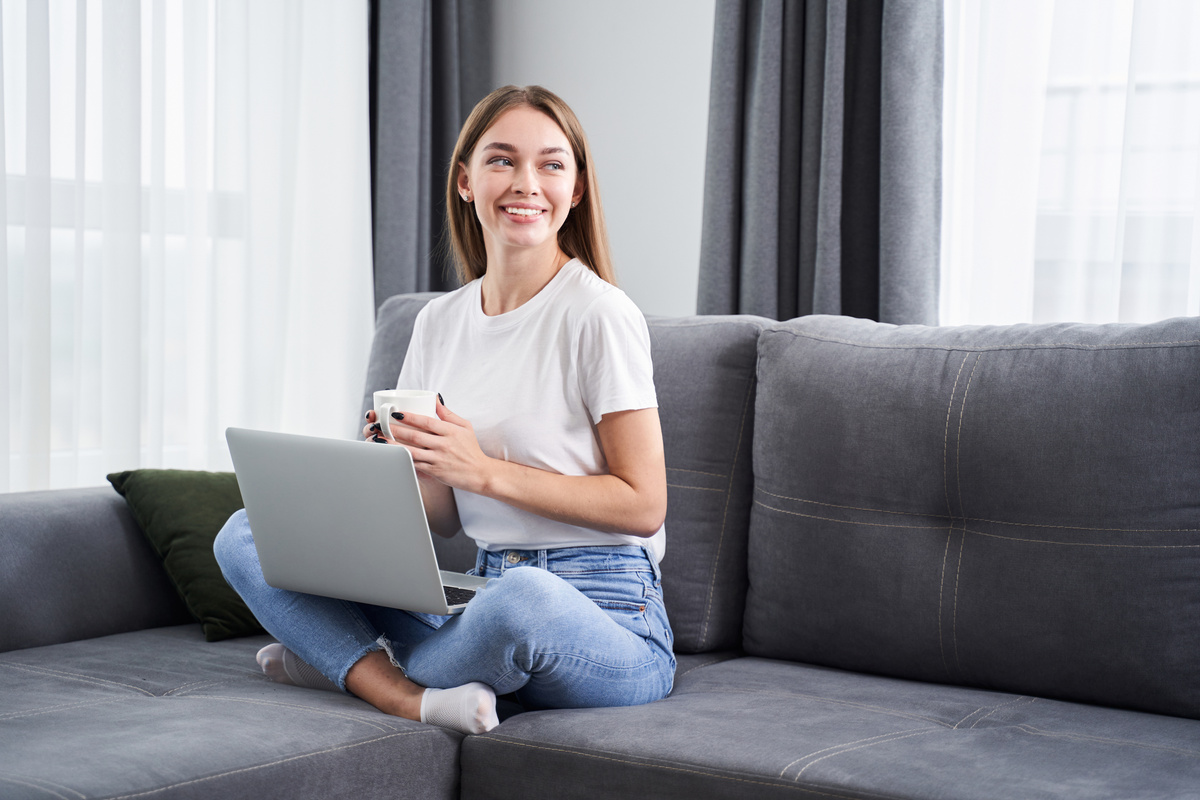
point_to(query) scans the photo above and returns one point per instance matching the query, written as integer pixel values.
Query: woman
(551, 458)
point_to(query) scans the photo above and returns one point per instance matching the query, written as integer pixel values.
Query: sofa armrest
(73, 565)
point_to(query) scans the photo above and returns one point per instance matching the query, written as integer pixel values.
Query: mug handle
(385, 422)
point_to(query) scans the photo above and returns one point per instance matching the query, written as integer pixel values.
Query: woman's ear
(577, 195)
(464, 182)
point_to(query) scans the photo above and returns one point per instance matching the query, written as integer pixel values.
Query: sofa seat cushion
(162, 713)
(752, 727)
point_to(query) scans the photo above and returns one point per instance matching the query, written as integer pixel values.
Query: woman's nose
(525, 180)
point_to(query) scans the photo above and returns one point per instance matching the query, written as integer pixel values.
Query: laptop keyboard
(456, 596)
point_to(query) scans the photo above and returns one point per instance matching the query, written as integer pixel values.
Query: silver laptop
(344, 519)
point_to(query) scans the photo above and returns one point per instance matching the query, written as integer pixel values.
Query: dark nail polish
(440, 400)
(381, 440)
(397, 415)
(367, 415)
(375, 427)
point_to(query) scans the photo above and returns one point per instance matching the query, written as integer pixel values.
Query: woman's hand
(444, 448)
(371, 430)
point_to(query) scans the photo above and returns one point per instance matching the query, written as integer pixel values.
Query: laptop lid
(340, 518)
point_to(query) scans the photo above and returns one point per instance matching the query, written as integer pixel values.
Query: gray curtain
(430, 64)
(823, 179)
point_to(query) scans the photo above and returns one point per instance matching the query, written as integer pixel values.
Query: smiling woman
(551, 459)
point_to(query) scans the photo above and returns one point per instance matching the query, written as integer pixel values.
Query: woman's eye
(554, 165)
(501, 161)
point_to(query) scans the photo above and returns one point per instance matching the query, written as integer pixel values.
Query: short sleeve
(615, 370)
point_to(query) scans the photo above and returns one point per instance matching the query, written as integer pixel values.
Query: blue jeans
(566, 628)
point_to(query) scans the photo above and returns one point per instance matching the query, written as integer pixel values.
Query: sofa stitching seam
(999, 707)
(834, 749)
(950, 534)
(652, 765)
(264, 766)
(968, 519)
(34, 712)
(41, 784)
(712, 580)
(988, 348)
(998, 536)
(349, 717)
(883, 740)
(891, 712)
(37, 669)
(1032, 731)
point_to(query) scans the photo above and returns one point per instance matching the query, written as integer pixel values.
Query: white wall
(636, 72)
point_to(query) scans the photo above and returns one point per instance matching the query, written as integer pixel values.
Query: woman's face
(522, 180)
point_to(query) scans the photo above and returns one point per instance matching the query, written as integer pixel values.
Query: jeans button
(512, 557)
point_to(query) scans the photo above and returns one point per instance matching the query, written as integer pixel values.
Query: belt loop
(653, 564)
(542, 560)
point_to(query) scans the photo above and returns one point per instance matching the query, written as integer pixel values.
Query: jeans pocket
(631, 616)
(625, 596)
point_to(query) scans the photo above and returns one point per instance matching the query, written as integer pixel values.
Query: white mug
(406, 401)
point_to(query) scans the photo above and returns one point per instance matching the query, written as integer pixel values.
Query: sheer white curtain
(187, 244)
(1072, 161)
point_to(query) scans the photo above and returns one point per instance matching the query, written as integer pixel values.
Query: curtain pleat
(798, 169)
(431, 62)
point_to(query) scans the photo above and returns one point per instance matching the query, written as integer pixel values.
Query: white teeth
(524, 212)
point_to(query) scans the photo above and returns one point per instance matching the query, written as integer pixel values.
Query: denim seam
(712, 580)
(579, 657)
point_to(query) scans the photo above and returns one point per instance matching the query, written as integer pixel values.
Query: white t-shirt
(533, 383)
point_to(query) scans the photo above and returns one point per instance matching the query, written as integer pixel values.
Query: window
(1072, 161)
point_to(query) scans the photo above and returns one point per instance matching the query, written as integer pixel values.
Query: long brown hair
(583, 235)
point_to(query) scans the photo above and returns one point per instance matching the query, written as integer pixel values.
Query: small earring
(466, 198)
(574, 204)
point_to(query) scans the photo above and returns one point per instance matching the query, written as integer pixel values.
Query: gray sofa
(902, 562)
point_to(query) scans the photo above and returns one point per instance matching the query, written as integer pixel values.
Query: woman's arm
(630, 499)
(440, 507)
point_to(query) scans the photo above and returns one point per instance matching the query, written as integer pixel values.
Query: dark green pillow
(180, 512)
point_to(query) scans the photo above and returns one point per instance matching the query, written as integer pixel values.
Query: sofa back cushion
(1014, 508)
(73, 565)
(704, 376)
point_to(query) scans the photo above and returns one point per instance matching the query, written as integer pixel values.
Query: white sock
(283, 666)
(470, 708)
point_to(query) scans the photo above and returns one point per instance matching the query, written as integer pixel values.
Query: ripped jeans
(561, 628)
